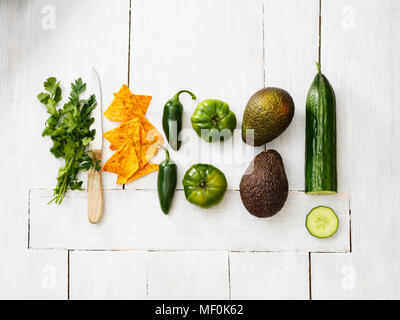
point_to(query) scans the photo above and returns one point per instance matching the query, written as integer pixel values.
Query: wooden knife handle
(95, 192)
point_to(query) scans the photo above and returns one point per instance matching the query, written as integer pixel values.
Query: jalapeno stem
(176, 97)
(166, 153)
(318, 67)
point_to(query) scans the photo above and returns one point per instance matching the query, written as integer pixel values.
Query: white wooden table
(224, 49)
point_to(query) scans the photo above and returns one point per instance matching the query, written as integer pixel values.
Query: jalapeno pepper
(172, 119)
(166, 182)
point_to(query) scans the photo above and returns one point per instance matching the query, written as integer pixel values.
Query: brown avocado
(264, 186)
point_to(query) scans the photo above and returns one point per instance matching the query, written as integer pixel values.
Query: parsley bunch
(69, 129)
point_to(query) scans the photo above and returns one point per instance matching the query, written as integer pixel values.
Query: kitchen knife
(95, 185)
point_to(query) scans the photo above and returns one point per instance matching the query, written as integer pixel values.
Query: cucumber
(322, 222)
(320, 164)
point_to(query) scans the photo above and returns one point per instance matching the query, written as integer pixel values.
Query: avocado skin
(268, 112)
(264, 186)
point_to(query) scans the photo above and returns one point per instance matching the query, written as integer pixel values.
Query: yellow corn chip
(142, 102)
(148, 168)
(123, 162)
(136, 139)
(127, 131)
(126, 105)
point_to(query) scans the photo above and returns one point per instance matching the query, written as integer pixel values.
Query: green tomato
(213, 120)
(204, 185)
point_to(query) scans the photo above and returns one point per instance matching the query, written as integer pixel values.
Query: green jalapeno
(172, 119)
(166, 182)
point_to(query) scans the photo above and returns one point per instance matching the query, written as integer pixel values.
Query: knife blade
(95, 184)
(97, 142)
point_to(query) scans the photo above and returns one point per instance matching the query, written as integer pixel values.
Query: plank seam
(263, 42)
(182, 250)
(155, 189)
(69, 275)
(350, 238)
(351, 245)
(29, 218)
(147, 281)
(129, 51)
(129, 42)
(309, 276)
(319, 33)
(229, 276)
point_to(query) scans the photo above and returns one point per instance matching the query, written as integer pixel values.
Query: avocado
(268, 112)
(264, 186)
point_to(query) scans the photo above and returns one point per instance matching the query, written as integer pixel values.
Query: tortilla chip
(123, 162)
(127, 106)
(122, 112)
(148, 168)
(142, 102)
(127, 131)
(136, 139)
(133, 131)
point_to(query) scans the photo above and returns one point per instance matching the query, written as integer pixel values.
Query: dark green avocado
(267, 114)
(264, 186)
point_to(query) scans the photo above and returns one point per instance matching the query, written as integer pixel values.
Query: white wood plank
(132, 220)
(268, 275)
(213, 48)
(86, 33)
(31, 52)
(189, 275)
(333, 276)
(32, 274)
(361, 57)
(108, 275)
(291, 50)
(149, 275)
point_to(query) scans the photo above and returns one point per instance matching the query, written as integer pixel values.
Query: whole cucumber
(320, 165)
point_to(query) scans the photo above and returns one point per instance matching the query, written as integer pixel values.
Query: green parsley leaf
(51, 85)
(69, 129)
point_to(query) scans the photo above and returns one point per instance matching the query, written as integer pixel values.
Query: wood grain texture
(361, 58)
(257, 275)
(149, 275)
(23, 274)
(213, 48)
(95, 192)
(291, 50)
(86, 33)
(108, 275)
(41, 39)
(334, 276)
(132, 221)
(32, 275)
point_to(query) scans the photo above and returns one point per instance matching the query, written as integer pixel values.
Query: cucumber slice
(322, 222)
